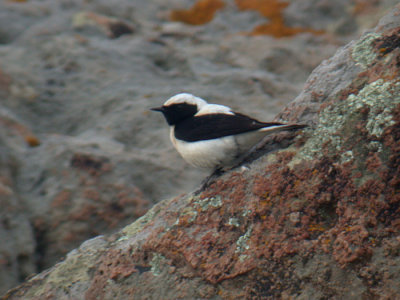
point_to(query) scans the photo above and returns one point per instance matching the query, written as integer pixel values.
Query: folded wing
(212, 126)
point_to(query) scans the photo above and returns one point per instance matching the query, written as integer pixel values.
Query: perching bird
(213, 136)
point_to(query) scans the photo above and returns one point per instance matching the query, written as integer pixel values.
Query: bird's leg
(218, 171)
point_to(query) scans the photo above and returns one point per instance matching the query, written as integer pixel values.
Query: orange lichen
(200, 13)
(316, 227)
(32, 140)
(272, 9)
(21, 130)
(268, 8)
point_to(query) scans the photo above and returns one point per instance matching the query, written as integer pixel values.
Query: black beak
(160, 109)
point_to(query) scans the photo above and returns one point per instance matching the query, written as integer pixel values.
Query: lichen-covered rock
(319, 219)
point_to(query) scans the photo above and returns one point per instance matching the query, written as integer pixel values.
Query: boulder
(317, 218)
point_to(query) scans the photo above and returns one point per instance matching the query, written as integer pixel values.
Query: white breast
(207, 154)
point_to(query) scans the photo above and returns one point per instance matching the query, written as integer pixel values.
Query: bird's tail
(276, 127)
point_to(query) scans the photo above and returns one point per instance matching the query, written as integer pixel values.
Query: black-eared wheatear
(213, 136)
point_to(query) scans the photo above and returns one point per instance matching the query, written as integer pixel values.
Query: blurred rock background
(80, 153)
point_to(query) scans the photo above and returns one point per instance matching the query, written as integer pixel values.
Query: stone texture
(18, 242)
(316, 219)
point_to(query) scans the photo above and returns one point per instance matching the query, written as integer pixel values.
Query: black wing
(207, 127)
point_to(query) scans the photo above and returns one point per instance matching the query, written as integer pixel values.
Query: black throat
(176, 113)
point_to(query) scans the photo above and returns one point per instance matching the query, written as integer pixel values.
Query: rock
(83, 155)
(18, 240)
(69, 194)
(317, 219)
(112, 27)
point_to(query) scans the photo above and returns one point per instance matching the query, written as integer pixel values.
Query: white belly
(216, 152)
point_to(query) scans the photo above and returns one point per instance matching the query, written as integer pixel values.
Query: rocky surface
(318, 219)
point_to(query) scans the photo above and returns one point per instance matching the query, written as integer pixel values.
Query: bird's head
(180, 107)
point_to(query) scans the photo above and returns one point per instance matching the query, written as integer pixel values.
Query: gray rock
(89, 156)
(318, 219)
(17, 251)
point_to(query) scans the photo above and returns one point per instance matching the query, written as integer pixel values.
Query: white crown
(186, 98)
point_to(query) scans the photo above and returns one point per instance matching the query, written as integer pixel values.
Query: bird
(213, 136)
